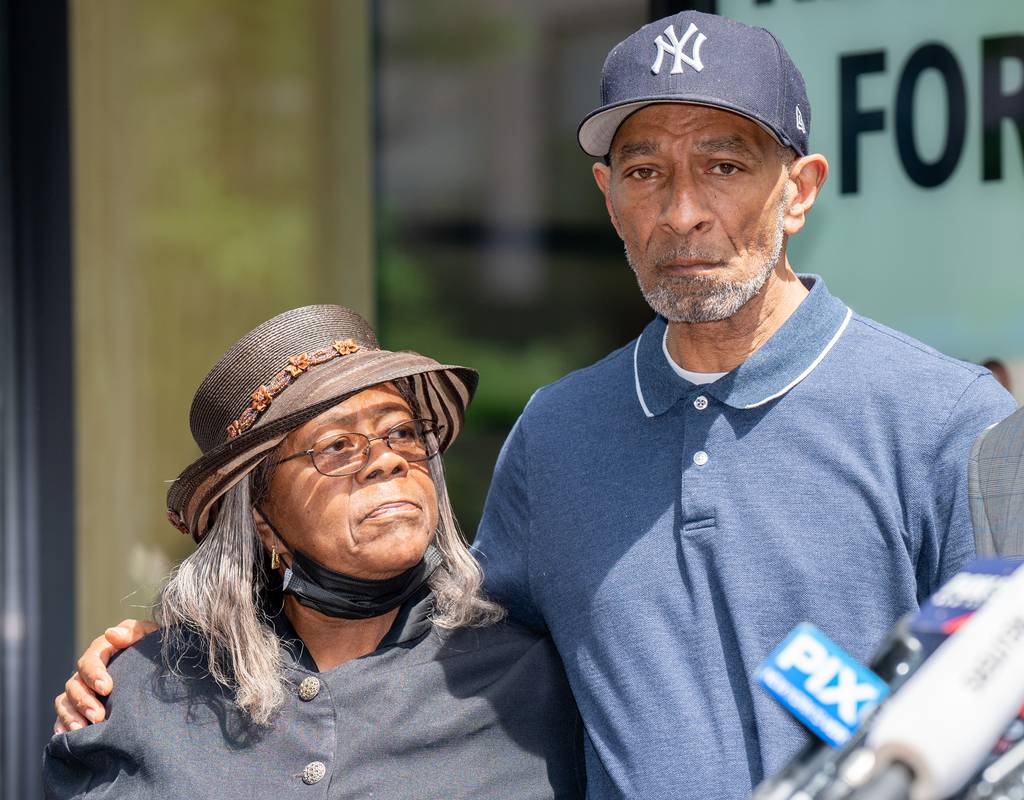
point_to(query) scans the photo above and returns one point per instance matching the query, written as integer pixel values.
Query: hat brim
(442, 393)
(598, 128)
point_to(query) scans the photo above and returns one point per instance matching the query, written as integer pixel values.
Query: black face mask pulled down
(338, 595)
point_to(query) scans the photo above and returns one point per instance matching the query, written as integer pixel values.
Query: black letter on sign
(931, 56)
(996, 106)
(853, 121)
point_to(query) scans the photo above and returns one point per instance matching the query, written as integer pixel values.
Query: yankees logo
(675, 47)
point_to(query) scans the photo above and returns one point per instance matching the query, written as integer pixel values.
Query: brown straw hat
(283, 373)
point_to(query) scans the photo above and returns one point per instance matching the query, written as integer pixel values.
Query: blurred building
(174, 173)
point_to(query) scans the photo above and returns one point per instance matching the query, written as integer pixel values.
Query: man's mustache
(664, 257)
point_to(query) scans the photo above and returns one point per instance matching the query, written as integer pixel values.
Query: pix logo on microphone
(821, 684)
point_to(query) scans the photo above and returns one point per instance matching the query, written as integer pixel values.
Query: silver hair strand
(457, 587)
(213, 595)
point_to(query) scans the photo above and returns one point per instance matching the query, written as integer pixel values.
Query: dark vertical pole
(375, 33)
(12, 710)
(37, 599)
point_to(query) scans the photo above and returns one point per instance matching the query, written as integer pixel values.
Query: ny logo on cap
(676, 49)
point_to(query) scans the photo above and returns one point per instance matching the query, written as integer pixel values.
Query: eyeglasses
(347, 453)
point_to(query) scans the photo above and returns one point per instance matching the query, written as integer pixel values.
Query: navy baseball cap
(705, 60)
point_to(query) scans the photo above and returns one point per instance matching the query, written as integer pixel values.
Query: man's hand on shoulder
(78, 705)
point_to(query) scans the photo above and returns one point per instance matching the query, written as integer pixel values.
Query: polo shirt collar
(789, 356)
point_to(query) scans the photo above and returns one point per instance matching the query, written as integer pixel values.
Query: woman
(327, 637)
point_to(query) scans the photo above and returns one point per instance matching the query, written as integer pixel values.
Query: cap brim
(598, 128)
(442, 392)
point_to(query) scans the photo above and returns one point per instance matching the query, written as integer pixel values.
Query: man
(996, 488)
(758, 457)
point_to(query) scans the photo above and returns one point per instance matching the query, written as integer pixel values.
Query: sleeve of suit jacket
(951, 543)
(996, 488)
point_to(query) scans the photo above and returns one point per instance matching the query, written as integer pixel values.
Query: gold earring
(275, 562)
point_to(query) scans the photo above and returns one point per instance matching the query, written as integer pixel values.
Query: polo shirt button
(314, 772)
(700, 403)
(309, 688)
(700, 458)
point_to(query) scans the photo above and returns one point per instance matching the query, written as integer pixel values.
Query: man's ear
(603, 178)
(807, 175)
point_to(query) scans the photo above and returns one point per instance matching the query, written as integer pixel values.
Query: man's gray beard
(702, 298)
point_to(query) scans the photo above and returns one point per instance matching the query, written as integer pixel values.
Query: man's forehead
(657, 126)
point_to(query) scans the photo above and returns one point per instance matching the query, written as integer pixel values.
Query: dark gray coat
(432, 714)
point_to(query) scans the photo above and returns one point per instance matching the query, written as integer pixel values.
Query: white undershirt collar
(698, 378)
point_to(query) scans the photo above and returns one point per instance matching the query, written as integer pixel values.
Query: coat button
(314, 772)
(309, 688)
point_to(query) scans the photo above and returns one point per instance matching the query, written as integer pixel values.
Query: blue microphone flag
(821, 684)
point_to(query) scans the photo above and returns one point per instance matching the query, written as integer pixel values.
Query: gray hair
(213, 596)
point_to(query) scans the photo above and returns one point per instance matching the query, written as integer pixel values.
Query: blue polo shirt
(669, 535)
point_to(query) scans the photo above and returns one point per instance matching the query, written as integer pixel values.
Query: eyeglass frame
(433, 429)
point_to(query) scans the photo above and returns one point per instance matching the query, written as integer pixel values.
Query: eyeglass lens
(346, 453)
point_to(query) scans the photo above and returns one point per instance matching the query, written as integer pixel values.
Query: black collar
(412, 622)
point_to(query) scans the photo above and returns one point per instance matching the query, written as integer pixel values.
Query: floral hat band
(265, 394)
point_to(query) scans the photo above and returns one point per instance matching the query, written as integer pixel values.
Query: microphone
(944, 722)
(1003, 779)
(816, 765)
(820, 772)
(957, 599)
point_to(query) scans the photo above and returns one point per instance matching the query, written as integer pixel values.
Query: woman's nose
(381, 462)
